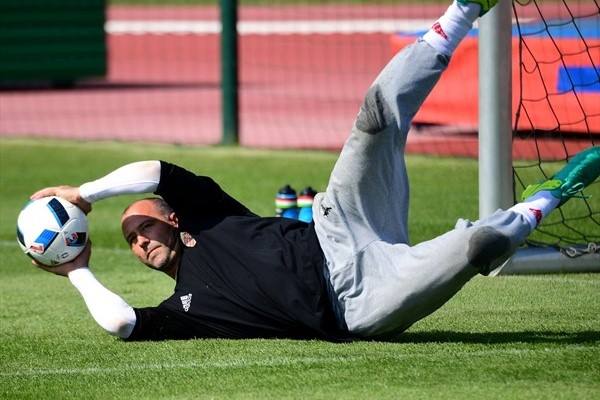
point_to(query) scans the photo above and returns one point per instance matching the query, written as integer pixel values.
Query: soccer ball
(52, 231)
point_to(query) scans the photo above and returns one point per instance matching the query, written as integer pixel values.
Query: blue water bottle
(305, 202)
(286, 203)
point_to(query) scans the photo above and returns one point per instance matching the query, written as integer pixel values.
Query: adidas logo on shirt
(186, 301)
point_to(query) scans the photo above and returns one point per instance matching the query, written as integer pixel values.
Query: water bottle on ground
(286, 203)
(305, 202)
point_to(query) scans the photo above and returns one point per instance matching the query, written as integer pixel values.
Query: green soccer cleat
(486, 5)
(579, 172)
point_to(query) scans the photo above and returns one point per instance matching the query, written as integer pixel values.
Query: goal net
(557, 115)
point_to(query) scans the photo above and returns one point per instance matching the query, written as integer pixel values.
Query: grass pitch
(532, 337)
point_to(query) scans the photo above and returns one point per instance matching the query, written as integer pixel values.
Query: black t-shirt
(245, 277)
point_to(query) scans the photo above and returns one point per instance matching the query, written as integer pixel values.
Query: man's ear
(173, 220)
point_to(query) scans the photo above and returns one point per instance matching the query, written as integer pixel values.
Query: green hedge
(52, 40)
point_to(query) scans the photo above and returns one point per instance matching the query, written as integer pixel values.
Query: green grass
(532, 337)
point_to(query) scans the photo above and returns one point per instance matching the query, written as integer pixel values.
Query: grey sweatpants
(380, 285)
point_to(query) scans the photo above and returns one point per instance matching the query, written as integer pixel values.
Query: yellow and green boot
(486, 5)
(580, 171)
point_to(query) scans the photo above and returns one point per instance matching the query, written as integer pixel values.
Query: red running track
(166, 88)
(300, 91)
(296, 90)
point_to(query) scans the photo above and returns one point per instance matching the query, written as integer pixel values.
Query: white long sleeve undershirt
(109, 310)
(135, 178)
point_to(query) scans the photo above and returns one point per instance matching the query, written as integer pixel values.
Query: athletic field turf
(534, 337)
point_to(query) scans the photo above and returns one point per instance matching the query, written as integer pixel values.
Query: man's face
(151, 235)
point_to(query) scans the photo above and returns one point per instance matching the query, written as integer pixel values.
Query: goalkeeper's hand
(81, 261)
(69, 193)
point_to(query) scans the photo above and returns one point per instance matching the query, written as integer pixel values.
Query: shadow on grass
(499, 337)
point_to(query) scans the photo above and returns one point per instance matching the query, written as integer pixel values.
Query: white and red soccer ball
(52, 231)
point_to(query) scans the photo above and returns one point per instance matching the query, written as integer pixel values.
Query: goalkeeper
(351, 273)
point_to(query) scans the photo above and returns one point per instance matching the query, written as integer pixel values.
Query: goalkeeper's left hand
(81, 261)
(69, 193)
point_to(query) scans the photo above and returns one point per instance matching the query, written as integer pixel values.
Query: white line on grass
(191, 365)
(278, 362)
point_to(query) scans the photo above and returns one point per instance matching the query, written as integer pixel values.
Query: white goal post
(495, 147)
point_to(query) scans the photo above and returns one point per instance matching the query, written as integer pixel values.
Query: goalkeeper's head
(150, 227)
